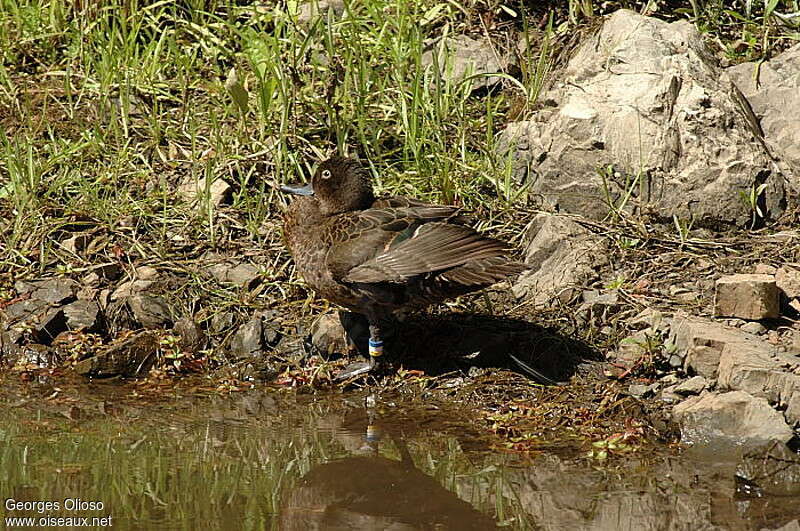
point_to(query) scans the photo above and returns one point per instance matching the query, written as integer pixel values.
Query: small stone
(648, 318)
(314, 9)
(77, 243)
(461, 56)
(754, 327)
(669, 396)
(675, 361)
(146, 273)
(328, 335)
(746, 296)
(686, 296)
(639, 390)
(91, 279)
(150, 311)
(248, 340)
(82, 315)
(590, 295)
(192, 337)
(194, 190)
(670, 379)
(132, 287)
(239, 274)
(221, 322)
(692, 386)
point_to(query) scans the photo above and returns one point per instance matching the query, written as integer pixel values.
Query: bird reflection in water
(369, 491)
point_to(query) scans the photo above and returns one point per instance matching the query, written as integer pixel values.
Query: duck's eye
(326, 174)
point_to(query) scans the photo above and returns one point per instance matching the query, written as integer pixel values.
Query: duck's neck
(302, 218)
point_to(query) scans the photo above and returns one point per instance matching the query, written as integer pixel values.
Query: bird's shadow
(441, 344)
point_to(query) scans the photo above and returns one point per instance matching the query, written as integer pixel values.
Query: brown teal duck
(382, 256)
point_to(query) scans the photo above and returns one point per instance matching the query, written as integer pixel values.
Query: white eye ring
(326, 174)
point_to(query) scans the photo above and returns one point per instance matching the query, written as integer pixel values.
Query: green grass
(104, 111)
(105, 108)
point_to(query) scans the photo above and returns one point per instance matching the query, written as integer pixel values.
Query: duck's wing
(430, 247)
(356, 238)
(423, 209)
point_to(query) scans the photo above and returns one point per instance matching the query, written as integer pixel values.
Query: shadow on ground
(441, 344)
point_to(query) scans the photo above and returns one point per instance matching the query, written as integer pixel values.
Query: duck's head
(339, 185)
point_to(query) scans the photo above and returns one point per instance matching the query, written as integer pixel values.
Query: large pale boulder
(563, 256)
(643, 118)
(772, 89)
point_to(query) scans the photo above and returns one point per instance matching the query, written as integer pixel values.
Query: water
(190, 458)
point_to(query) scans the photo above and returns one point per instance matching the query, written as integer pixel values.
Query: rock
(149, 311)
(314, 9)
(82, 315)
(644, 100)
(704, 360)
(460, 56)
(670, 380)
(788, 281)
(221, 322)
(641, 390)
(765, 373)
(747, 296)
(692, 386)
(261, 332)
(563, 256)
(76, 243)
(730, 418)
(229, 271)
(23, 309)
(129, 288)
(192, 337)
(774, 96)
(248, 340)
(240, 274)
(702, 341)
(131, 357)
(632, 348)
(601, 307)
(765, 269)
(669, 396)
(55, 291)
(194, 190)
(328, 335)
(675, 361)
(146, 273)
(754, 327)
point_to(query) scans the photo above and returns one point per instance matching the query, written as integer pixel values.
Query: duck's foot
(360, 368)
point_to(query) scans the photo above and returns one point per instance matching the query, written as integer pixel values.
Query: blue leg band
(375, 348)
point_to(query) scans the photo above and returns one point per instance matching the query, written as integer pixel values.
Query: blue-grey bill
(298, 189)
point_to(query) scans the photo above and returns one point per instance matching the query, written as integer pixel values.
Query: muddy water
(112, 454)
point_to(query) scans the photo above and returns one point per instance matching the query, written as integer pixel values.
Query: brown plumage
(381, 256)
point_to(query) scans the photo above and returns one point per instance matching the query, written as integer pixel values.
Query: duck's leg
(376, 356)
